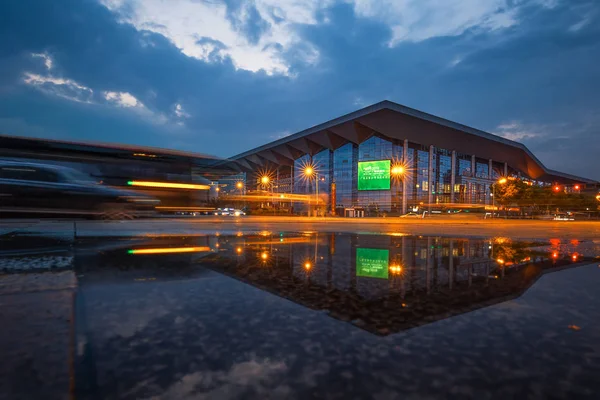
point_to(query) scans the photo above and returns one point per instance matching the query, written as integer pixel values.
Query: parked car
(57, 190)
(411, 215)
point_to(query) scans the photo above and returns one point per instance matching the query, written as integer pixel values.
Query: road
(464, 226)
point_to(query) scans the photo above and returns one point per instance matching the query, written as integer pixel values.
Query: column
(405, 265)
(428, 265)
(473, 186)
(490, 166)
(354, 174)
(430, 178)
(407, 170)
(453, 177)
(331, 184)
(451, 265)
(505, 169)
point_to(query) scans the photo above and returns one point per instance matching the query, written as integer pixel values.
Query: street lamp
(397, 170)
(309, 172)
(500, 181)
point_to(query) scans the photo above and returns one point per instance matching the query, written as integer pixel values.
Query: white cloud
(123, 99)
(203, 30)
(517, 131)
(180, 112)
(61, 87)
(280, 135)
(208, 31)
(46, 57)
(418, 20)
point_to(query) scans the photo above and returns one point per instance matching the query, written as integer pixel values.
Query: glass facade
(431, 178)
(345, 161)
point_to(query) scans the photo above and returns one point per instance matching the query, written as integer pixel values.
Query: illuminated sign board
(372, 263)
(374, 175)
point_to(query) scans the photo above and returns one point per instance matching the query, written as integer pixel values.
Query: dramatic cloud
(225, 76)
(260, 35)
(255, 35)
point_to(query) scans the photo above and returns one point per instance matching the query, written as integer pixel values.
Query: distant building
(121, 165)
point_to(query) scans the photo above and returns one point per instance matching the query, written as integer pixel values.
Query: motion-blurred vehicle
(237, 213)
(27, 188)
(563, 217)
(411, 215)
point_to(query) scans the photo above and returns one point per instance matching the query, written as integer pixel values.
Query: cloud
(61, 87)
(257, 377)
(256, 36)
(419, 20)
(280, 135)
(47, 59)
(179, 112)
(518, 132)
(264, 35)
(122, 99)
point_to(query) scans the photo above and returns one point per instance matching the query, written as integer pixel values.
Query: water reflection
(385, 283)
(145, 316)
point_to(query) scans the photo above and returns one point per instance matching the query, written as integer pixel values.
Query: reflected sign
(374, 175)
(372, 263)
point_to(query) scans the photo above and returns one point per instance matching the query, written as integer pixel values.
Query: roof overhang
(397, 123)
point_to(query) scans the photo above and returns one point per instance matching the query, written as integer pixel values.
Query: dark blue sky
(222, 77)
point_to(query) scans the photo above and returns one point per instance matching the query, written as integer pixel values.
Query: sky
(223, 77)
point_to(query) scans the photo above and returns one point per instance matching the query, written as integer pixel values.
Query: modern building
(394, 159)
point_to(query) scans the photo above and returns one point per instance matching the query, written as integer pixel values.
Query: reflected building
(386, 283)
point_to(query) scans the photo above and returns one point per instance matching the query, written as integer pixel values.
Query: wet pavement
(299, 315)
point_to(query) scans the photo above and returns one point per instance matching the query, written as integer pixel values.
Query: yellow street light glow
(264, 255)
(239, 185)
(265, 180)
(397, 170)
(395, 269)
(169, 250)
(502, 181)
(168, 185)
(308, 171)
(307, 265)
(238, 250)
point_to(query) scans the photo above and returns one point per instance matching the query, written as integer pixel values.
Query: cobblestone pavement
(214, 338)
(35, 339)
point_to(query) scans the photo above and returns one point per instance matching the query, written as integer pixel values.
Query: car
(411, 215)
(28, 187)
(563, 218)
(237, 213)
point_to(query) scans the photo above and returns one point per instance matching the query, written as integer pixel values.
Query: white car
(236, 213)
(563, 218)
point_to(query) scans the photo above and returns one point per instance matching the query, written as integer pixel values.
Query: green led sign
(374, 175)
(372, 263)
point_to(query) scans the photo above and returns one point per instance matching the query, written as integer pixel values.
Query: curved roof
(398, 122)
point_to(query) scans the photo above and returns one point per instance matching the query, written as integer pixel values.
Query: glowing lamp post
(397, 170)
(500, 181)
(309, 173)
